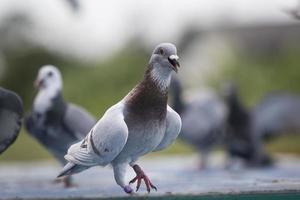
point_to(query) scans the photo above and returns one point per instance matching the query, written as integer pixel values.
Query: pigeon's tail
(71, 168)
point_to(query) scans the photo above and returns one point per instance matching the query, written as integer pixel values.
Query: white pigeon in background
(11, 114)
(140, 123)
(54, 123)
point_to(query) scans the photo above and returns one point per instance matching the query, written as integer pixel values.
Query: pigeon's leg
(203, 160)
(139, 176)
(67, 181)
(119, 174)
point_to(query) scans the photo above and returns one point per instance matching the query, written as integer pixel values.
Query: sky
(100, 28)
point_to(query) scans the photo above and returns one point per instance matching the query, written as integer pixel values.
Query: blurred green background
(96, 86)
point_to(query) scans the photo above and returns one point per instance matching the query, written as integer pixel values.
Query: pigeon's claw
(140, 175)
(153, 186)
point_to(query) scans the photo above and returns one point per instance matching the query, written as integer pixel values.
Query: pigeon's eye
(50, 74)
(161, 51)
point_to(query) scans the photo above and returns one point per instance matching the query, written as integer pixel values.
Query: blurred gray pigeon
(276, 114)
(74, 4)
(293, 12)
(140, 123)
(53, 122)
(11, 114)
(240, 138)
(203, 119)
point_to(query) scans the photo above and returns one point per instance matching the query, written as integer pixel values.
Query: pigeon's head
(49, 77)
(165, 57)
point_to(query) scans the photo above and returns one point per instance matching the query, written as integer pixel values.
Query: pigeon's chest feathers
(145, 116)
(42, 102)
(146, 102)
(51, 111)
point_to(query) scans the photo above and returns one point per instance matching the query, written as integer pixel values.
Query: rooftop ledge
(176, 177)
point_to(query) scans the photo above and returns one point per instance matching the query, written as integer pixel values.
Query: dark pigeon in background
(55, 123)
(277, 114)
(203, 119)
(11, 114)
(241, 140)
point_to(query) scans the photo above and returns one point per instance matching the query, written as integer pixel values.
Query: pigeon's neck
(57, 111)
(43, 100)
(238, 114)
(149, 96)
(160, 77)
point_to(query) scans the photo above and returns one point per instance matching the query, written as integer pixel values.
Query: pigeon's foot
(67, 181)
(139, 176)
(128, 189)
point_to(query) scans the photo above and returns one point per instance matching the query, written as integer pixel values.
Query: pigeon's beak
(173, 59)
(38, 83)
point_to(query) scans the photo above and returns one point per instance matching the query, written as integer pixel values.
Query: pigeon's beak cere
(37, 83)
(173, 59)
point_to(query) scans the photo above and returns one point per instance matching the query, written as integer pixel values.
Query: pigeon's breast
(144, 135)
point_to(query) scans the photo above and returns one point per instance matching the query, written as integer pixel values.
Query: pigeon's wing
(11, 113)
(104, 142)
(78, 121)
(172, 130)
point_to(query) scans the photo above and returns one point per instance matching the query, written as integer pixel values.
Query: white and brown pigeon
(53, 122)
(140, 123)
(11, 114)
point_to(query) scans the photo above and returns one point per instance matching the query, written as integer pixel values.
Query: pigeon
(277, 113)
(203, 119)
(142, 122)
(55, 123)
(11, 115)
(240, 138)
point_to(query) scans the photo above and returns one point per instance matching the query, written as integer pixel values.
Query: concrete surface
(172, 175)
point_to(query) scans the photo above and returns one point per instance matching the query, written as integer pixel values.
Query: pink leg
(139, 176)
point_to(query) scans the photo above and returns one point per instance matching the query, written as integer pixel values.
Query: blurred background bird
(241, 141)
(11, 115)
(53, 122)
(276, 114)
(203, 119)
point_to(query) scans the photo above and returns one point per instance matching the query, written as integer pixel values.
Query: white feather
(52, 85)
(104, 142)
(162, 79)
